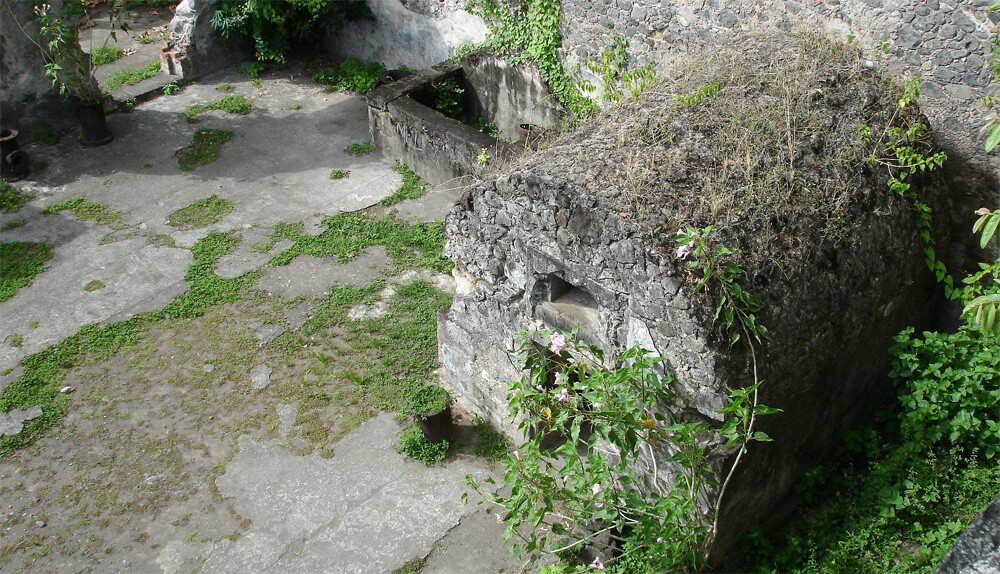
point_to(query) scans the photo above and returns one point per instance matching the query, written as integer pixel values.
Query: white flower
(557, 342)
(596, 489)
(539, 387)
(563, 395)
(596, 405)
(517, 455)
(499, 518)
(597, 564)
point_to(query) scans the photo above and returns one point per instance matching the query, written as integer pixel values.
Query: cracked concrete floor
(144, 473)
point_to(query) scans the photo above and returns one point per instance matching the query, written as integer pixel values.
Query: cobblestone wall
(945, 43)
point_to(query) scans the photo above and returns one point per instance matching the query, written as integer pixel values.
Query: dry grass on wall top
(759, 138)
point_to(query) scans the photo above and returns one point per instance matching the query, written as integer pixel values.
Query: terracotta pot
(437, 426)
(93, 124)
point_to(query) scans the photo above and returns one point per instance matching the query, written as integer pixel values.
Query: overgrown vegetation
(204, 149)
(12, 199)
(130, 77)
(411, 188)
(275, 29)
(413, 444)
(201, 213)
(351, 76)
(20, 262)
(88, 210)
(490, 445)
(234, 104)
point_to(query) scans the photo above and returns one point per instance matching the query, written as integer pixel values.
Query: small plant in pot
(71, 69)
(431, 407)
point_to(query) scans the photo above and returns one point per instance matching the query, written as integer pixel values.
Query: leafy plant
(413, 444)
(201, 213)
(340, 173)
(411, 188)
(131, 77)
(12, 199)
(224, 87)
(360, 149)
(252, 70)
(483, 158)
(351, 76)
(427, 399)
(567, 491)
(489, 443)
(66, 64)
(20, 262)
(171, 89)
(275, 28)
(204, 148)
(448, 98)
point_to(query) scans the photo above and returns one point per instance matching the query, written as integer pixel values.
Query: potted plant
(431, 407)
(71, 69)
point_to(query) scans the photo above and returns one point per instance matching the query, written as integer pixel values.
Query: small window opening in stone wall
(564, 306)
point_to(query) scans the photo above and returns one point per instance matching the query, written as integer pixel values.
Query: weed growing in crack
(360, 149)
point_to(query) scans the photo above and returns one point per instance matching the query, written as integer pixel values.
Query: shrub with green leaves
(413, 444)
(351, 76)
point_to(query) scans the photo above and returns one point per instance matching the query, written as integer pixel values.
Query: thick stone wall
(27, 96)
(947, 43)
(194, 47)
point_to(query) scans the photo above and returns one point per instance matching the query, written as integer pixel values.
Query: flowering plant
(574, 483)
(67, 65)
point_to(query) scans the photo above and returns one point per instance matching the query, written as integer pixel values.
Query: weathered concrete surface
(367, 509)
(276, 169)
(977, 551)
(312, 276)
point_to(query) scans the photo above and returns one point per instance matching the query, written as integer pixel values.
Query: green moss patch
(19, 263)
(204, 148)
(201, 213)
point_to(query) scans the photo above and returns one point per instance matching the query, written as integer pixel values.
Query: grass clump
(340, 173)
(204, 148)
(224, 87)
(351, 76)
(233, 104)
(83, 209)
(130, 77)
(348, 234)
(411, 188)
(105, 54)
(201, 213)
(20, 262)
(360, 149)
(413, 444)
(16, 341)
(12, 199)
(413, 566)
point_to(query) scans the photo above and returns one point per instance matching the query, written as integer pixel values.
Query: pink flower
(557, 342)
(596, 489)
(684, 251)
(597, 564)
(563, 395)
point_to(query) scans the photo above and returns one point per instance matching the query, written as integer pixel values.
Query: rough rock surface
(978, 549)
(582, 235)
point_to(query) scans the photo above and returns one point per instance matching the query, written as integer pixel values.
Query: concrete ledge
(141, 92)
